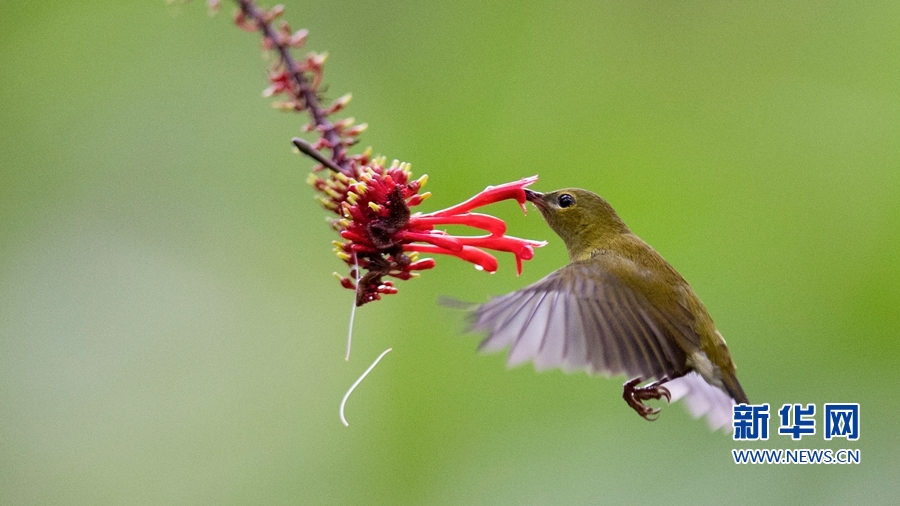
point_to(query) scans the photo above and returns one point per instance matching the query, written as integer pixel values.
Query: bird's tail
(734, 389)
(703, 399)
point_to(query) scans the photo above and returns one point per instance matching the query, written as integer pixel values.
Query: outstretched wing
(584, 316)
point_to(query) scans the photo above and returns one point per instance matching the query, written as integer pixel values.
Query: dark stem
(304, 90)
(307, 149)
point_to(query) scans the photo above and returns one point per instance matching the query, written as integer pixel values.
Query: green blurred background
(170, 332)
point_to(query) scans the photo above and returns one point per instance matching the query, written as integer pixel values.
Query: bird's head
(582, 219)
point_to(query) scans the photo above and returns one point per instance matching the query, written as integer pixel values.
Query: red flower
(382, 237)
(379, 233)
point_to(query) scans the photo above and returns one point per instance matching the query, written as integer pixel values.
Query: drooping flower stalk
(372, 201)
(297, 82)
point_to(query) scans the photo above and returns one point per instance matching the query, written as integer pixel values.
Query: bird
(617, 308)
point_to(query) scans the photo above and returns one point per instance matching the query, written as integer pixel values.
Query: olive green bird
(618, 308)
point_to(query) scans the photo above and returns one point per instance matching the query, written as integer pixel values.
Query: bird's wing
(584, 316)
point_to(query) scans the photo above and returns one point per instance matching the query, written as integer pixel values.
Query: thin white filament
(352, 387)
(353, 306)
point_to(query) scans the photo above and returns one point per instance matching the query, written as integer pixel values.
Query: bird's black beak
(534, 197)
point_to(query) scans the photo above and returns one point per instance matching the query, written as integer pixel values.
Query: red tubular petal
(522, 247)
(423, 264)
(491, 224)
(471, 254)
(448, 242)
(417, 223)
(361, 248)
(490, 195)
(357, 215)
(353, 236)
(478, 257)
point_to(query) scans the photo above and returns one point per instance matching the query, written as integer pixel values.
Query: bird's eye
(565, 200)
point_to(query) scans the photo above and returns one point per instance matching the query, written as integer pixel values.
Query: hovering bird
(617, 308)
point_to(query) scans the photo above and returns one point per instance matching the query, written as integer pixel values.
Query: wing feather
(641, 355)
(608, 356)
(533, 330)
(633, 330)
(575, 351)
(584, 317)
(661, 333)
(504, 310)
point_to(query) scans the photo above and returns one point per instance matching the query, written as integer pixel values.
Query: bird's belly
(699, 362)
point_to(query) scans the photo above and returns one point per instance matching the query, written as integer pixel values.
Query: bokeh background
(171, 333)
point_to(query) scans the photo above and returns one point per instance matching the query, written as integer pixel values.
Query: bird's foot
(635, 396)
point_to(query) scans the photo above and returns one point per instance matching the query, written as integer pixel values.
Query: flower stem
(303, 91)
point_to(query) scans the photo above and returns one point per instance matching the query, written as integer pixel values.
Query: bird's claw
(635, 396)
(664, 392)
